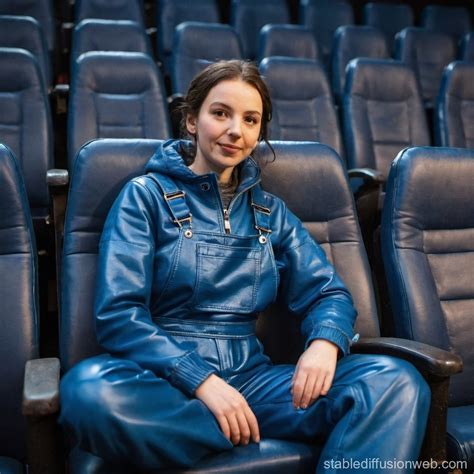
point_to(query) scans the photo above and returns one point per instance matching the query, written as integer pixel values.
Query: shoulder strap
(261, 211)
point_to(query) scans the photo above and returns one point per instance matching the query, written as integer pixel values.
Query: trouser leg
(376, 408)
(120, 412)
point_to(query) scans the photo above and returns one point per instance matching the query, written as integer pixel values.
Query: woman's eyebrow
(225, 106)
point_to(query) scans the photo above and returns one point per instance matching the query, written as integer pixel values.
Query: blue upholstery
(102, 168)
(427, 53)
(383, 113)
(196, 44)
(352, 42)
(294, 41)
(303, 107)
(41, 10)
(10, 466)
(428, 251)
(25, 32)
(131, 10)
(453, 21)
(115, 95)
(324, 17)
(248, 17)
(19, 313)
(170, 13)
(466, 47)
(109, 35)
(25, 122)
(455, 108)
(390, 18)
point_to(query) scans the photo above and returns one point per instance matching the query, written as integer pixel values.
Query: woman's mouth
(229, 148)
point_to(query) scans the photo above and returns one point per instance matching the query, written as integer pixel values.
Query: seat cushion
(460, 442)
(269, 456)
(10, 466)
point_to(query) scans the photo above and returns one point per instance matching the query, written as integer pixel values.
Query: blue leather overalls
(377, 406)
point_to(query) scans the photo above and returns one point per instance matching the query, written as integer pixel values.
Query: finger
(318, 385)
(298, 389)
(253, 425)
(244, 428)
(224, 424)
(308, 390)
(234, 429)
(328, 383)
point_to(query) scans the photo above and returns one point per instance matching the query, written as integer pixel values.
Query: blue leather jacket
(174, 255)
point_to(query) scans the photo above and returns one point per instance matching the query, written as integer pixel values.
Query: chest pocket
(227, 278)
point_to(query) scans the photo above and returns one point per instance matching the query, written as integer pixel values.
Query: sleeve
(124, 325)
(311, 287)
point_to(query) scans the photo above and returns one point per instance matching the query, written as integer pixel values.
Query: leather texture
(426, 53)
(390, 18)
(428, 251)
(454, 119)
(466, 47)
(26, 33)
(236, 354)
(248, 17)
(453, 21)
(41, 10)
(383, 113)
(460, 441)
(109, 10)
(354, 41)
(294, 41)
(115, 95)
(18, 294)
(303, 106)
(170, 13)
(323, 18)
(26, 120)
(196, 45)
(109, 35)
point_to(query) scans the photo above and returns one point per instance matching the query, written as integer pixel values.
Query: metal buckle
(175, 195)
(263, 210)
(263, 229)
(184, 219)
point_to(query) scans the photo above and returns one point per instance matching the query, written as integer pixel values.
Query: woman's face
(227, 127)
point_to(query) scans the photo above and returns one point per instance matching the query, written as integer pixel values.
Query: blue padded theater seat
(466, 47)
(19, 312)
(428, 251)
(115, 95)
(454, 119)
(131, 10)
(453, 21)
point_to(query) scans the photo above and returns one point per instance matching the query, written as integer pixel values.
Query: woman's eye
(251, 120)
(219, 113)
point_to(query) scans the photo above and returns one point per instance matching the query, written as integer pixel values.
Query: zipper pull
(226, 222)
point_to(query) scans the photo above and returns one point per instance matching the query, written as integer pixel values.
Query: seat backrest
(303, 107)
(311, 179)
(454, 119)
(18, 294)
(170, 13)
(466, 47)
(41, 10)
(454, 21)
(382, 111)
(294, 41)
(428, 251)
(115, 95)
(248, 17)
(196, 44)
(131, 10)
(25, 120)
(26, 33)
(427, 53)
(103, 167)
(324, 17)
(390, 18)
(352, 42)
(109, 35)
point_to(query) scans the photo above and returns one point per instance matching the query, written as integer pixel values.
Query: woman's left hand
(314, 372)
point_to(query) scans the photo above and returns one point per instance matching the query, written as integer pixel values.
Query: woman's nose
(235, 128)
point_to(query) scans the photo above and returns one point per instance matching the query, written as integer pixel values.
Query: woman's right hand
(236, 419)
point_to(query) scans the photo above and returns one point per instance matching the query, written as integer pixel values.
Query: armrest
(41, 387)
(369, 175)
(426, 358)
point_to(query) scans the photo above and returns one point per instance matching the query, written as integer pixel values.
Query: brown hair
(212, 75)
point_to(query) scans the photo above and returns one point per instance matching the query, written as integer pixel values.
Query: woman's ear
(191, 124)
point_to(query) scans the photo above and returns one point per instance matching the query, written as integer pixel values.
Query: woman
(190, 254)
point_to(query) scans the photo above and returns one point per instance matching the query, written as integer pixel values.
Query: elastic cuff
(331, 334)
(190, 372)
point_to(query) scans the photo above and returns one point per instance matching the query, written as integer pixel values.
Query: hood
(167, 160)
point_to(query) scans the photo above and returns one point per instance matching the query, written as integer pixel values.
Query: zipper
(227, 227)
